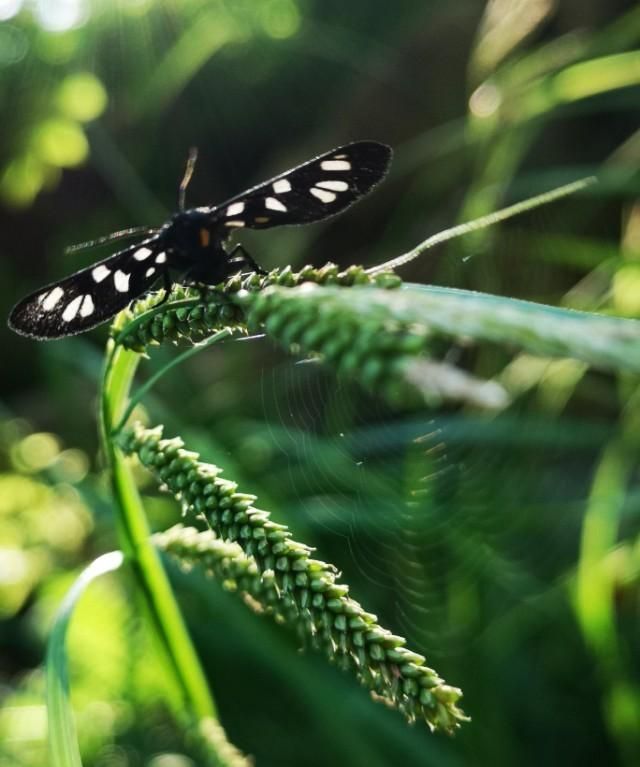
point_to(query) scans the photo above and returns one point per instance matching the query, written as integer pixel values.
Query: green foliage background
(505, 548)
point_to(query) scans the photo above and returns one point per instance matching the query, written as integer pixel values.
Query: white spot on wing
(71, 309)
(281, 186)
(142, 253)
(161, 258)
(87, 306)
(101, 272)
(334, 186)
(234, 223)
(323, 195)
(235, 209)
(121, 281)
(335, 165)
(150, 271)
(50, 299)
(273, 204)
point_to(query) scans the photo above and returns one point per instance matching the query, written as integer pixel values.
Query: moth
(192, 247)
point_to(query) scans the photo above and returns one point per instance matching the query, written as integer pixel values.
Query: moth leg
(167, 285)
(241, 257)
(191, 278)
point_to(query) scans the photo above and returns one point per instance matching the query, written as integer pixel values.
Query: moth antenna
(188, 172)
(123, 234)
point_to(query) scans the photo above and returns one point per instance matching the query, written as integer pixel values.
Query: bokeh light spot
(22, 180)
(19, 494)
(485, 100)
(82, 97)
(60, 15)
(19, 571)
(9, 8)
(36, 452)
(171, 760)
(71, 466)
(13, 566)
(13, 45)
(280, 18)
(60, 142)
(28, 723)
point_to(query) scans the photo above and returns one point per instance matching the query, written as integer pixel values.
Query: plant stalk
(135, 540)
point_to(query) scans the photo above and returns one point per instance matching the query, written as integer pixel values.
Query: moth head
(189, 231)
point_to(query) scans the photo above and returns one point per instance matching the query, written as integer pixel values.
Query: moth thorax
(189, 231)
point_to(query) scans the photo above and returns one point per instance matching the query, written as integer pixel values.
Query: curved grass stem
(483, 222)
(134, 534)
(153, 380)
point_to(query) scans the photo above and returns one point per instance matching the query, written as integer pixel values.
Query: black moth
(192, 243)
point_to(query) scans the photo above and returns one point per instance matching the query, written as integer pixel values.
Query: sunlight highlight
(9, 8)
(61, 15)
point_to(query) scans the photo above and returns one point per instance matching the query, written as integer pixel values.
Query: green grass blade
(63, 742)
(374, 334)
(597, 339)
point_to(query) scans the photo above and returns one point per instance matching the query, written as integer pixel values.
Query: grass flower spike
(260, 556)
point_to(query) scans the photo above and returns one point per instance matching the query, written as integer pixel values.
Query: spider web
(443, 523)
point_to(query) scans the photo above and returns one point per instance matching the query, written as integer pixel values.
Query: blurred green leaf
(63, 741)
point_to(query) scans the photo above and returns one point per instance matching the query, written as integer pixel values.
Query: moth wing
(91, 296)
(315, 190)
